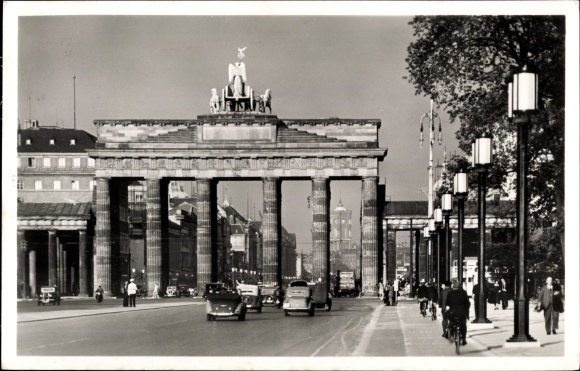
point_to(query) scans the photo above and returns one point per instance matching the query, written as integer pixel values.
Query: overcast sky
(140, 67)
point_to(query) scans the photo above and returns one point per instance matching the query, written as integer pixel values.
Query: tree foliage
(462, 62)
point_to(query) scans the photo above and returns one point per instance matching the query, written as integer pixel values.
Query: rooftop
(43, 139)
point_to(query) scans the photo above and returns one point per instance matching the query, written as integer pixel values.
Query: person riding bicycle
(445, 289)
(433, 296)
(457, 309)
(422, 296)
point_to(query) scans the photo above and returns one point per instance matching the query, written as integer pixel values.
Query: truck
(345, 284)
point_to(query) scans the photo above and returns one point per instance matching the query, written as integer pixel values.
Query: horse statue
(264, 101)
(214, 102)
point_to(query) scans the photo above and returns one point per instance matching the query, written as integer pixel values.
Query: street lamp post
(431, 250)
(460, 190)
(426, 236)
(447, 207)
(522, 104)
(482, 153)
(438, 215)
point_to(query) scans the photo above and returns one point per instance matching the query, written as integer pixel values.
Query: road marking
(368, 333)
(339, 332)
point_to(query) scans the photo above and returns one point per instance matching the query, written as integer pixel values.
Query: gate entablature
(237, 145)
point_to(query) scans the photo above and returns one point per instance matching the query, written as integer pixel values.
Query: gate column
(204, 227)
(51, 258)
(21, 273)
(321, 230)
(370, 236)
(83, 275)
(103, 236)
(271, 232)
(153, 235)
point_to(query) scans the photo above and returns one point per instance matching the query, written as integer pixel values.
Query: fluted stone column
(21, 273)
(64, 272)
(204, 224)
(83, 266)
(320, 229)
(52, 258)
(32, 272)
(153, 235)
(370, 235)
(58, 263)
(391, 256)
(103, 264)
(270, 232)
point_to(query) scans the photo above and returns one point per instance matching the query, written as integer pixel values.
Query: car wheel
(286, 314)
(327, 307)
(210, 317)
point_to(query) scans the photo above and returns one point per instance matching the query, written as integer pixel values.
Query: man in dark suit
(445, 289)
(546, 302)
(457, 308)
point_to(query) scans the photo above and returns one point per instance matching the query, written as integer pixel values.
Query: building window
(28, 142)
(61, 162)
(46, 162)
(91, 162)
(38, 184)
(73, 142)
(31, 162)
(20, 184)
(57, 184)
(76, 162)
(51, 142)
(75, 185)
(91, 185)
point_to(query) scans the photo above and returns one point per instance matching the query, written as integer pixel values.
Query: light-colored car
(225, 303)
(171, 292)
(251, 297)
(298, 299)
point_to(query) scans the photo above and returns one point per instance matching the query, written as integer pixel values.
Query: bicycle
(454, 333)
(433, 312)
(423, 307)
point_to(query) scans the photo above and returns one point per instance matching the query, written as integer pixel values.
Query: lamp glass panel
(438, 215)
(484, 151)
(510, 100)
(447, 202)
(525, 92)
(432, 224)
(473, 156)
(460, 183)
(426, 232)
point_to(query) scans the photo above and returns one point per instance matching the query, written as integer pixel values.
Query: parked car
(270, 296)
(171, 292)
(251, 297)
(212, 288)
(225, 303)
(321, 296)
(49, 295)
(193, 292)
(183, 290)
(298, 299)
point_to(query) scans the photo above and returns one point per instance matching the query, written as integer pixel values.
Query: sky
(142, 67)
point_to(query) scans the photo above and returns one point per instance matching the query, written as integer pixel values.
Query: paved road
(354, 327)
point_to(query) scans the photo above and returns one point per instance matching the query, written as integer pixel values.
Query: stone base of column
(522, 344)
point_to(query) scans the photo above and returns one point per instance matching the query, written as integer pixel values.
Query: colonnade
(271, 231)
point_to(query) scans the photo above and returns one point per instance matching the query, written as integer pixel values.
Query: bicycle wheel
(433, 313)
(457, 339)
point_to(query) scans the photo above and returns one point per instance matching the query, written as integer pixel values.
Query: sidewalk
(144, 304)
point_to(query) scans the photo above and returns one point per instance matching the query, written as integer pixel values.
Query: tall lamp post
(431, 251)
(447, 208)
(460, 190)
(482, 153)
(438, 215)
(426, 236)
(522, 104)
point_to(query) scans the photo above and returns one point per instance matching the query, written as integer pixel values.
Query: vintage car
(298, 299)
(321, 296)
(183, 290)
(251, 297)
(49, 295)
(212, 288)
(225, 303)
(192, 291)
(270, 296)
(171, 292)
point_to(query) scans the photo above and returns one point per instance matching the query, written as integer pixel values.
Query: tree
(462, 62)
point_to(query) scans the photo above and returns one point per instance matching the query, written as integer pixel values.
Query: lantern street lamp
(447, 208)
(482, 153)
(522, 104)
(431, 251)
(438, 216)
(460, 190)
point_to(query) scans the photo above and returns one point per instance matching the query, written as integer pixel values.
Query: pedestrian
(381, 290)
(422, 296)
(457, 308)
(132, 291)
(503, 294)
(433, 297)
(496, 295)
(396, 288)
(546, 303)
(391, 294)
(125, 295)
(156, 291)
(476, 296)
(446, 289)
(558, 300)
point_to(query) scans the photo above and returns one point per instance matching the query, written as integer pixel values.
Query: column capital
(204, 179)
(270, 178)
(107, 178)
(52, 232)
(320, 178)
(153, 178)
(370, 178)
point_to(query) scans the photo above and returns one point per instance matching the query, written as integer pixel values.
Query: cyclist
(432, 292)
(457, 309)
(422, 296)
(445, 289)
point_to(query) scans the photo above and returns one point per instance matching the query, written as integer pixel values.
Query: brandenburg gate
(236, 141)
